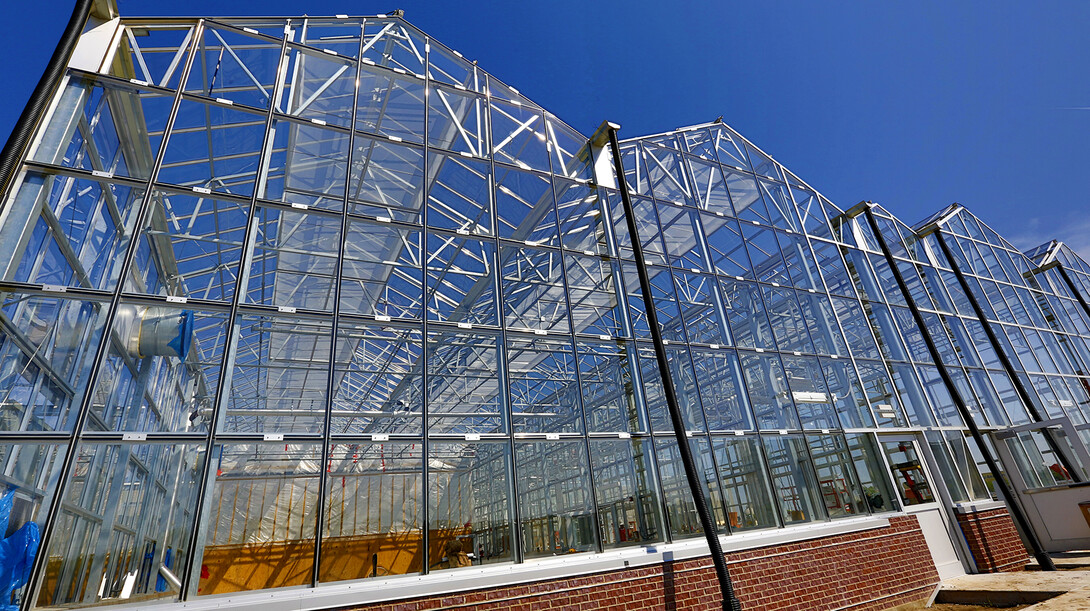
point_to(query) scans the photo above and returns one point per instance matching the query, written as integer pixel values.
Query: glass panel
(294, 260)
(307, 165)
(386, 180)
(46, 345)
(381, 273)
(459, 196)
(628, 505)
(719, 381)
(681, 513)
(68, 231)
(127, 512)
(872, 473)
(524, 207)
(390, 105)
(608, 384)
(543, 387)
(461, 280)
(534, 298)
(468, 501)
(463, 392)
(31, 471)
(235, 66)
(804, 377)
(592, 292)
(793, 481)
(104, 126)
(768, 390)
(259, 517)
(377, 380)
(374, 503)
(839, 487)
(554, 498)
(161, 371)
(214, 147)
(190, 246)
(280, 375)
(319, 86)
(745, 483)
(908, 472)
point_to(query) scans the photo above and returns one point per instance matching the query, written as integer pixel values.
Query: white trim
(362, 592)
(976, 506)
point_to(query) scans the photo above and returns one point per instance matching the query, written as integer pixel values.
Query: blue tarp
(16, 554)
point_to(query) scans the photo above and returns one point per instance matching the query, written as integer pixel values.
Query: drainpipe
(730, 601)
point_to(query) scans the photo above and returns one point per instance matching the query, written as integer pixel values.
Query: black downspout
(730, 601)
(12, 152)
(1023, 394)
(1074, 290)
(1043, 559)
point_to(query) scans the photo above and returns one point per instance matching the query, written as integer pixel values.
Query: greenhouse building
(315, 313)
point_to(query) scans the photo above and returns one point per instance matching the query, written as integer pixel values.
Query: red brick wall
(994, 541)
(862, 571)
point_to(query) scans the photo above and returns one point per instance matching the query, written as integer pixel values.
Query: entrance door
(920, 498)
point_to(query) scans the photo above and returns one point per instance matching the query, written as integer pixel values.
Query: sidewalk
(1067, 590)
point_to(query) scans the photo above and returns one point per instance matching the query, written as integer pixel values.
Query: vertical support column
(1016, 511)
(730, 601)
(1023, 394)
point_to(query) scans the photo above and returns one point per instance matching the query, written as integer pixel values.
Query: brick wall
(862, 571)
(993, 540)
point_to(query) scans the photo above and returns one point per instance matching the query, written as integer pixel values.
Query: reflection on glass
(373, 511)
(469, 501)
(259, 524)
(745, 483)
(554, 498)
(908, 472)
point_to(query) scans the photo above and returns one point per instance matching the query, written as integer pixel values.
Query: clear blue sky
(913, 105)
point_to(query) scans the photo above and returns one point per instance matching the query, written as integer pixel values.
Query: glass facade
(289, 302)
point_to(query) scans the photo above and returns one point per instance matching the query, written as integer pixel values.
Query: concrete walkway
(1051, 591)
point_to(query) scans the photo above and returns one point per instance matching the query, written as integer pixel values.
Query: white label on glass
(465, 325)
(739, 278)
(473, 436)
(204, 190)
(427, 47)
(624, 435)
(694, 270)
(175, 299)
(811, 290)
(718, 213)
(384, 219)
(380, 437)
(225, 101)
(714, 346)
(134, 436)
(755, 223)
(250, 30)
(54, 288)
(341, 16)
(382, 318)
(286, 309)
(274, 437)
(102, 174)
(461, 231)
(739, 433)
(665, 342)
(797, 354)
(834, 356)
(540, 332)
(330, 51)
(395, 138)
(462, 87)
(688, 433)
(300, 206)
(367, 61)
(513, 89)
(465, 154)
(759, 349)
(552, 436)
(136, 81)
(589, 253)
(318, 121)
(605, 337)
(775, 284)
(400, 71)
(783, 431)
(825, 431)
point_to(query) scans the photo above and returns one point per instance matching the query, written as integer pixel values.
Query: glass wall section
(311, 300)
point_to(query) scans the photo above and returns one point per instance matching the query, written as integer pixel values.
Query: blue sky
(913, 105)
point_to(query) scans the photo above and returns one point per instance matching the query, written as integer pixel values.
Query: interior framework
(295, 301)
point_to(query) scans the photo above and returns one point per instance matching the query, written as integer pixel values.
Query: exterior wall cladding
(313, 312)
